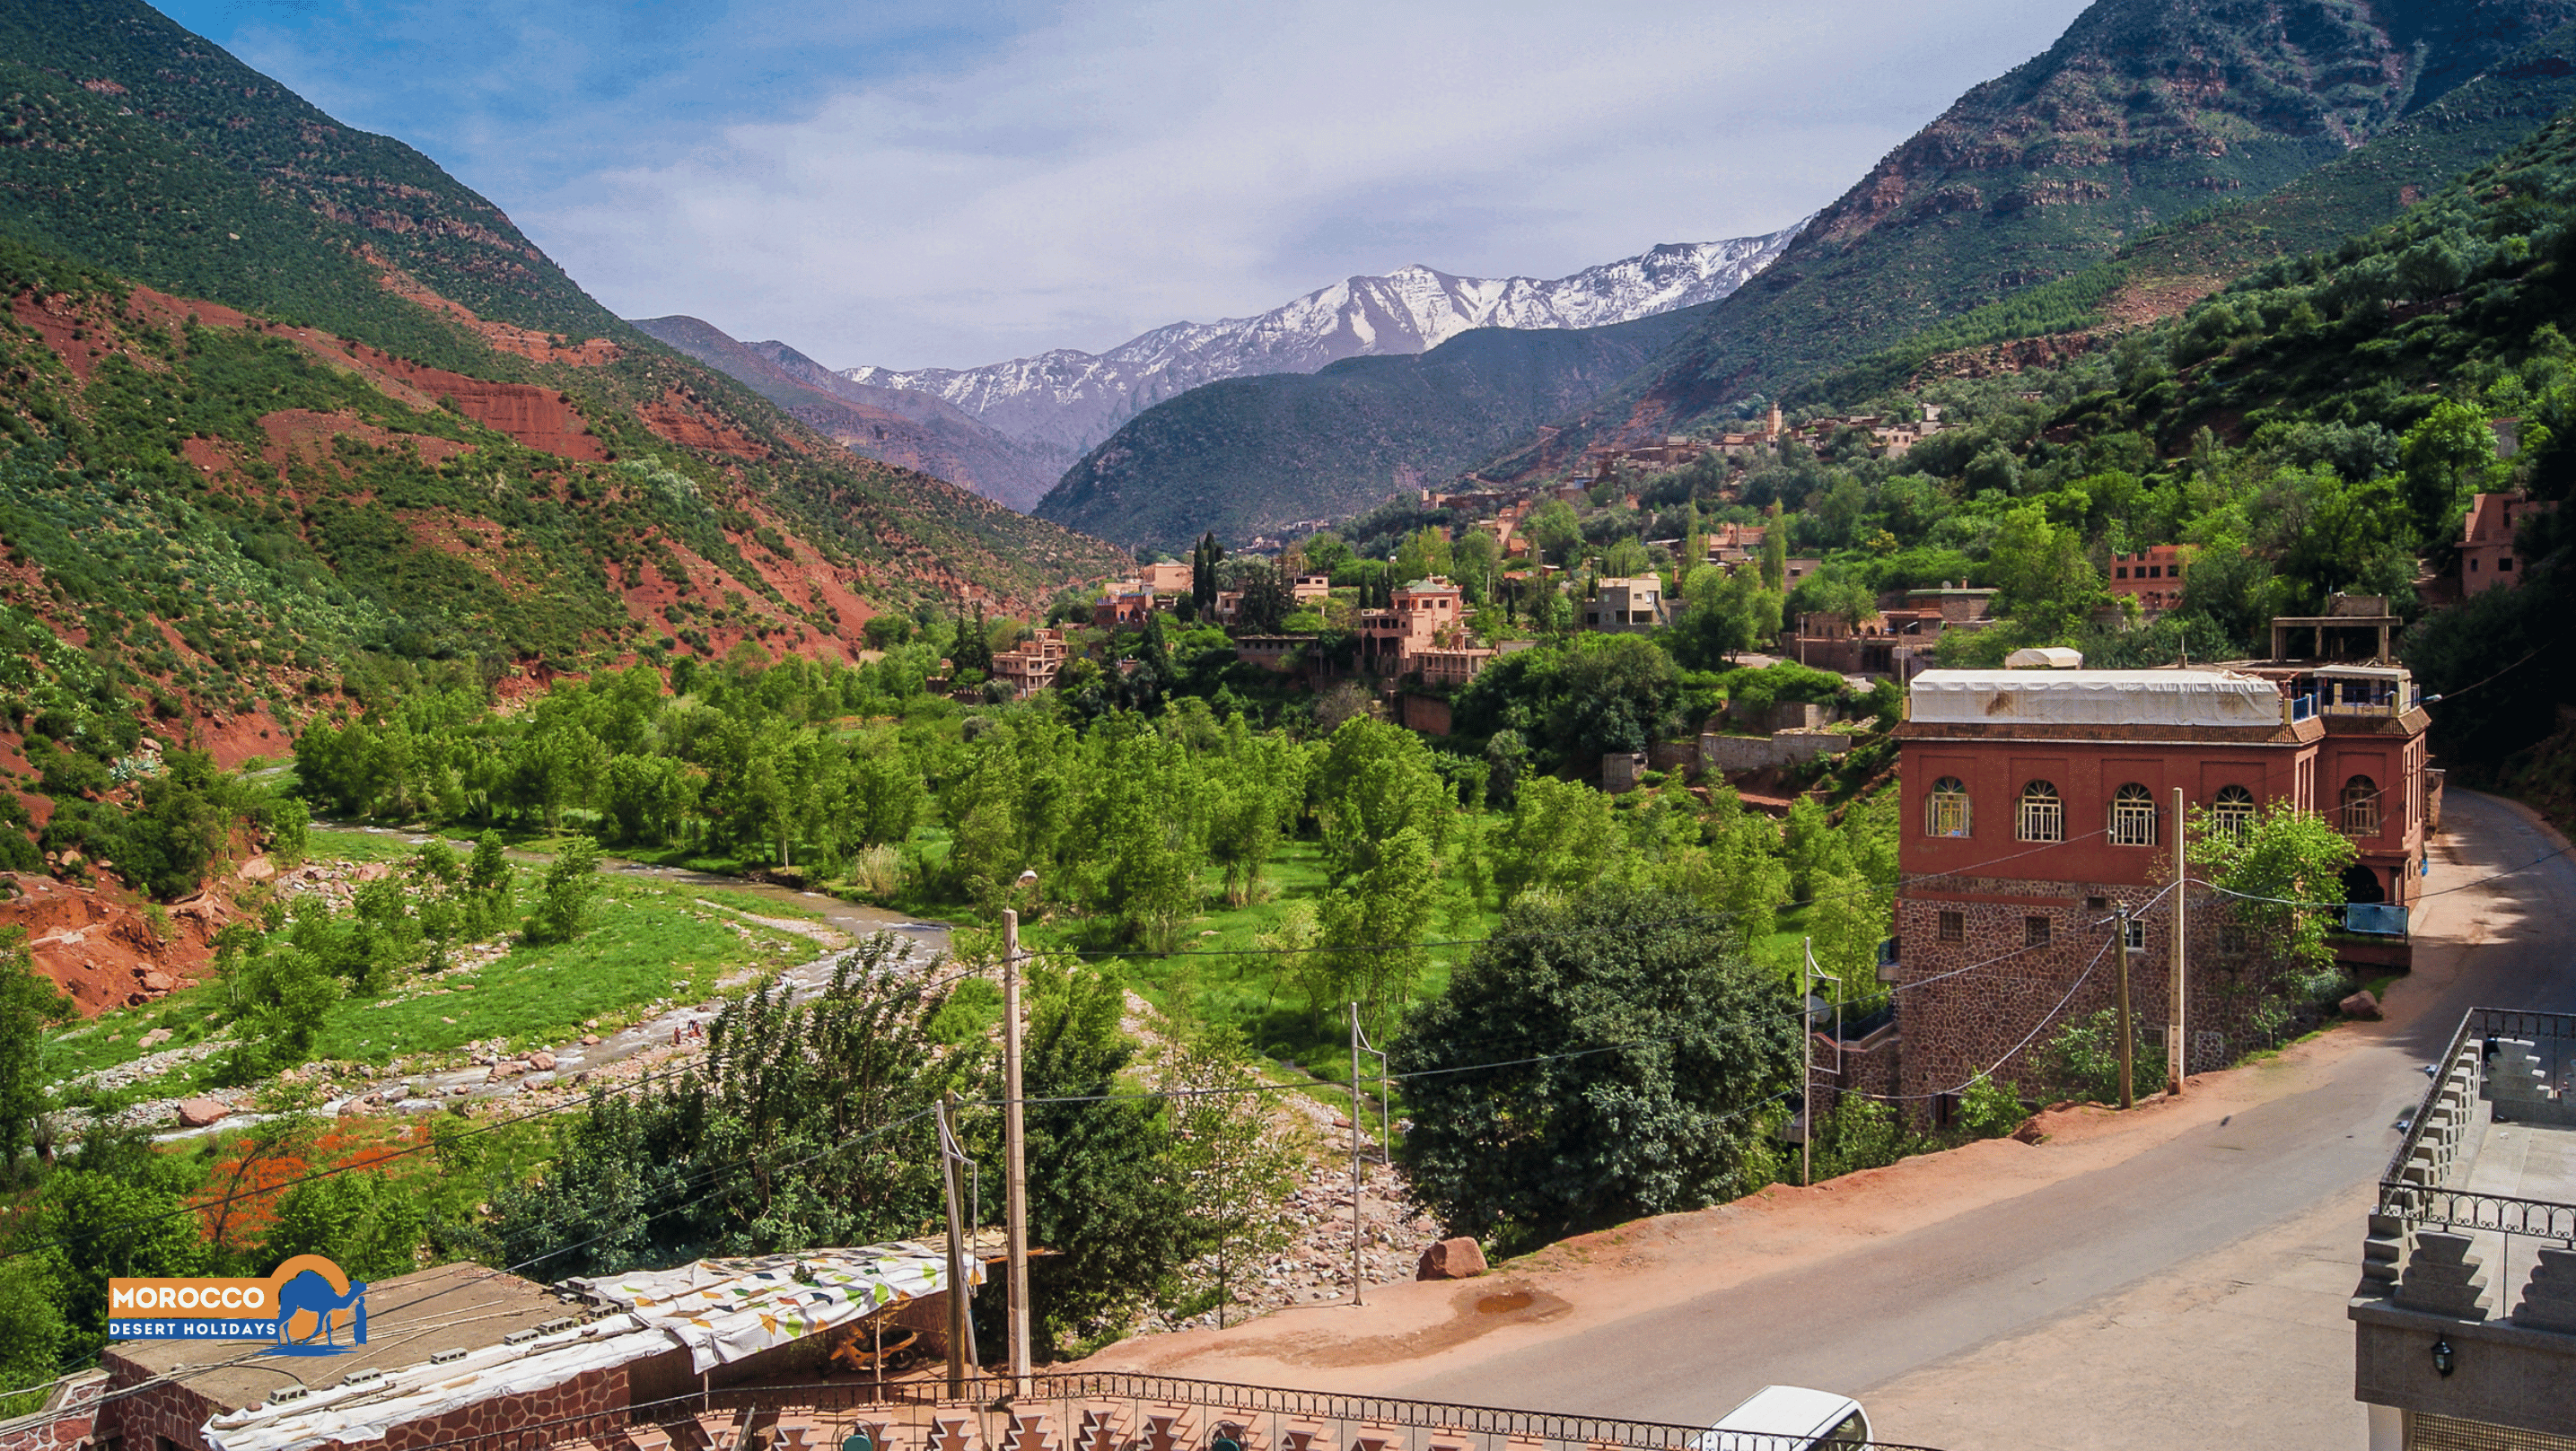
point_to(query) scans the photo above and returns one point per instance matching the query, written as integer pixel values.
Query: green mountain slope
(2175, 265)
(2146, 110)
(397, 434)
(1253, 455)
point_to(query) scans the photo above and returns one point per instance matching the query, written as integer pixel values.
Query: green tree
(101, 1224)
(564, 893)
(1101, 1191)
(2042, 579)
(2449, 454)
(490, 879)
(363, 1222)
(1235, 1159)
(1682, 1041)
(1554, 529)
(276, 995)
(1373, 782)
(2283, 873)
(29, 1003)
(32, 1335)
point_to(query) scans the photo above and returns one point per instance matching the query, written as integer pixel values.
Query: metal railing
(2409, 1189)
(1103, 1411)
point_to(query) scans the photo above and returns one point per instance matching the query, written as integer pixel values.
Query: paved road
(1867, 1317)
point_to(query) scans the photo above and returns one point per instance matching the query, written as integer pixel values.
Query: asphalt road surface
(1866, 1317)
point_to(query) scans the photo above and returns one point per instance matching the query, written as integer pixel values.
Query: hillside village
(1961, 841)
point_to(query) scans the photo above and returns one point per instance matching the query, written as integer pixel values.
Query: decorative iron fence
(1104, 1411)
(2412, 1188)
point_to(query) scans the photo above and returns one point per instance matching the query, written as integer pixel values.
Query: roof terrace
(2466, 1310)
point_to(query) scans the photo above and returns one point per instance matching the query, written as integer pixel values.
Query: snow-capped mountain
(1072, 400)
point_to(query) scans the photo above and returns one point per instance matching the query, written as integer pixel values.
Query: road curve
(1862, 1318)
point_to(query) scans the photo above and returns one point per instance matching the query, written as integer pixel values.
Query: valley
(1747, 799)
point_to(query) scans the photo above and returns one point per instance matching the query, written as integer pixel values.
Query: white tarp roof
(724, 1310)
(2045, 657)
(721, 1310)
(2094, 697)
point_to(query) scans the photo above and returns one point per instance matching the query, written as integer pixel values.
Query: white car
(1788, 1418)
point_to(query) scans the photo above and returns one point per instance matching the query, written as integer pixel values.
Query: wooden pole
(956, 1253)
(2128, 1034)
(1015, 1144)
(2177, 1032)
(1357, 1278)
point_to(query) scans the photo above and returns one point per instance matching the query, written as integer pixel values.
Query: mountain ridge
(1072, 400)
(902, 427)
(2142, 112)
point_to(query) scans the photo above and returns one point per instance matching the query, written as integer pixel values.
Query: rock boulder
(196, 1113)
(2360, 1005)
(1451, 1259)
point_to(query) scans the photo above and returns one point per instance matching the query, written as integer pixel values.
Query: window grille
(2043, 815)
(1954, 927)
(2133, 816)
(2034, 932)
(2360, 807)
(2233, 811)
(1945, 813)
(2137, 935)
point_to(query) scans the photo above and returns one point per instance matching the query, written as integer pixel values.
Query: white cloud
(1118, 168)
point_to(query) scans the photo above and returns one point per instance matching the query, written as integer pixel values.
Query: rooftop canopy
(2093, 697)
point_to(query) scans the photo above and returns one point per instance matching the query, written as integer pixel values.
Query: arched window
(2043, 815)
(2361, 807)
(2133, 816)
(1945, 811)
(2232, 812)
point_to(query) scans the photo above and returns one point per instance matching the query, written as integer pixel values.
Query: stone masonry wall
(63, 1423)
(1869, 1065)
(1958, 1026)
(170, 1410)
(591, 1405)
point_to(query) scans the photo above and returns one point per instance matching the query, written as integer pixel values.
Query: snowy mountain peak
(1072, 400)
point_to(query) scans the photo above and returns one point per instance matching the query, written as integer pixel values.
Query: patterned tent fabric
(724, 1310)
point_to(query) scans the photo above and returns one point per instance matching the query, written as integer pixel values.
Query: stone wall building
(1033, 664)
(2152, 576)
(2036, 804)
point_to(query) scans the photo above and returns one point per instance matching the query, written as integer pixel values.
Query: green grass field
(650, 941)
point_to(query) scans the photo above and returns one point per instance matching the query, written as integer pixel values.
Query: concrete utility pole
(1806, 1062)
(2128, 1034)
(1357, 1278)
(1015, 1144)
(956, 1252)
(2177, 1038)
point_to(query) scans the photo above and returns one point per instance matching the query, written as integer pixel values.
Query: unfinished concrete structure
(2464, 1323)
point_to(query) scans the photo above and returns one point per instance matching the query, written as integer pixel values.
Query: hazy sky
(959, 183)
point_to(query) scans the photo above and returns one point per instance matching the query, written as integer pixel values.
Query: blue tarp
(2380, 919)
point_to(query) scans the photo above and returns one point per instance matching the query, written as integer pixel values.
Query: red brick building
(2036, 803)
(2152, 576)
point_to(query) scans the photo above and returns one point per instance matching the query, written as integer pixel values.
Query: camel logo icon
(308, 1307)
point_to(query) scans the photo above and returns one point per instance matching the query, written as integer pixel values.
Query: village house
(2152, 576)
(2038, 802)
(1311, 589)
(1423, 618)
(1626, 605)
(1033, 664)
(1166, 579)
(1124, 605)
(2488, 556)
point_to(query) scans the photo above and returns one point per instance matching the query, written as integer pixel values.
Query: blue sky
(953, 184)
